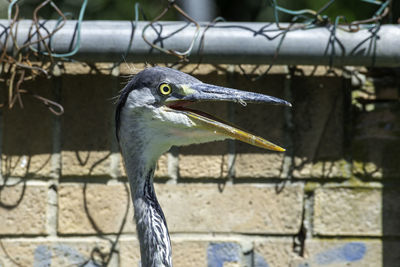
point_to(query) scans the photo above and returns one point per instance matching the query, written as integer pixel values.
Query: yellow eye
(165, 89)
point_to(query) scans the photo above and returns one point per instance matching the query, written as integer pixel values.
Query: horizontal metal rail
(228, 42)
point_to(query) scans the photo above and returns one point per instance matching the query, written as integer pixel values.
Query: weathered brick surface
(204, 252)
(56, 252)
(23, 210)
(263, 120)
(26, 134)
(337, 253)
(376, 145)
(274, 252)
(189, 253)
(186, 253)
(342, 211)
(318, 136)
(197, 166)
(85, 163)
(362, 212)
(331, 252)
(94, 208)
(322, 169)
(197, 209)
(271, 252)
(129, 252)
(86, 132)
(32, 166)
(162, 167)
(237, 208)
(258, 165)
(188, 208)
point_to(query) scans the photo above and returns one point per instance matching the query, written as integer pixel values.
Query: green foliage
(231, 10)
(259, 10)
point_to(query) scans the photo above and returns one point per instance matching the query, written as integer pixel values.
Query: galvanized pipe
(231, 42)
(203, 10)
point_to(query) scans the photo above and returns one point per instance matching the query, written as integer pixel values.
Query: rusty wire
(26, 62)
(307, 19)
(183, 56)
(300, 19)
(20, 67)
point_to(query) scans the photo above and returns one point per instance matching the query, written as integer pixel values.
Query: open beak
(208, 92)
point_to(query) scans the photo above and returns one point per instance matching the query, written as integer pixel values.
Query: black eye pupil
(165, 89)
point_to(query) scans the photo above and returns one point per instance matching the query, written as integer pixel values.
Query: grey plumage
(149, 78)
(151, 116)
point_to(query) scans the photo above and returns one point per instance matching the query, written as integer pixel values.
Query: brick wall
(330, 200)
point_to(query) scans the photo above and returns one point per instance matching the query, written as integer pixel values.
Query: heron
(152, 114)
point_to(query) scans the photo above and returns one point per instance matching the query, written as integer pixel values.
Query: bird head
(153, 110)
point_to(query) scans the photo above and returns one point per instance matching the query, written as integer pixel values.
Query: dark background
(230, 10)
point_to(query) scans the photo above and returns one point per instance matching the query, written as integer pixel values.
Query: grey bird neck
(155, 245)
